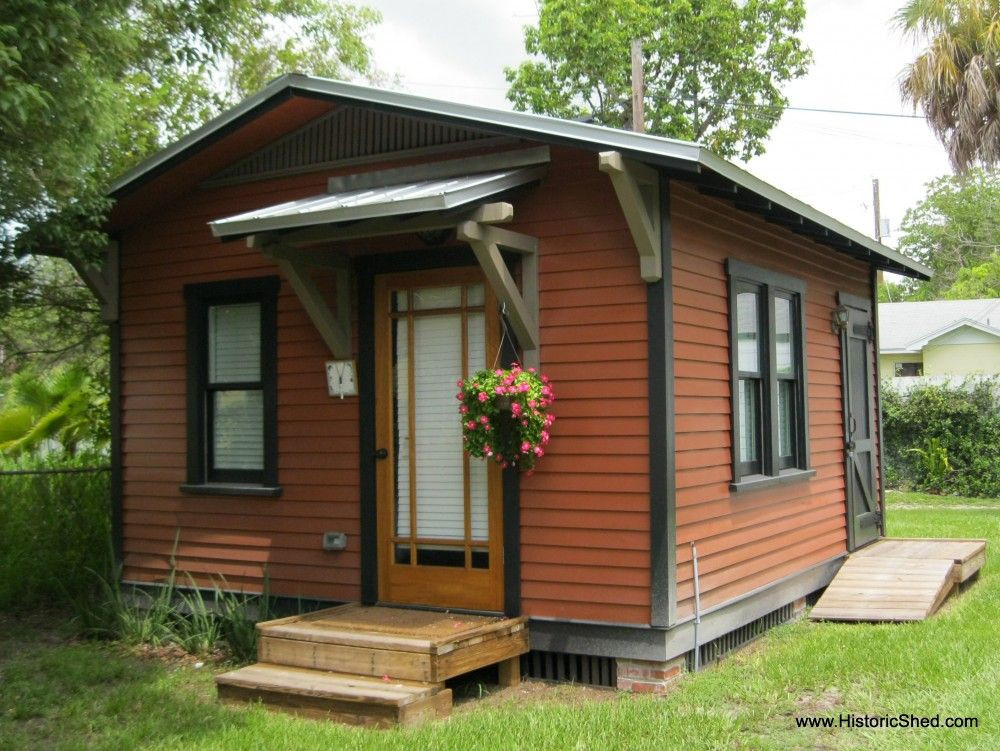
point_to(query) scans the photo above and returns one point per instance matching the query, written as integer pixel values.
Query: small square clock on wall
(341, 378)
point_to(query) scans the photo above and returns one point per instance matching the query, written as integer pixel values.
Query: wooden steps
(899, 579)
(353, 699)
(374, 666)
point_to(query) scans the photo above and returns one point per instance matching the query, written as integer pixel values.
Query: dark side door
(864, 518)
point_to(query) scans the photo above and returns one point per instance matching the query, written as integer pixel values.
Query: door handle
(381, 453)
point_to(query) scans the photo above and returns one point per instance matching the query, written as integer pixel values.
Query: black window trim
(199, 298)
(773, 470)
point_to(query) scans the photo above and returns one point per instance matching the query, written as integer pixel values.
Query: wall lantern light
(841, 315)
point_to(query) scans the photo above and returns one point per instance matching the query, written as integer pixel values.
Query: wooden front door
(858, 372)
(439, 512)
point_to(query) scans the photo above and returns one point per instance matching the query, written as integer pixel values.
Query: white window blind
(234, 343)
(238, 429)
(437, 450)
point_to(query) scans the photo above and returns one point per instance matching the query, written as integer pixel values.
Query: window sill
(760, 482)
(225, 488)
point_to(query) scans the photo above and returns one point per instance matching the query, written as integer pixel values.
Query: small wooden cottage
(294, 289)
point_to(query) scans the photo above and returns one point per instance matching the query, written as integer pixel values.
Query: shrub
(944, 438)
(54, 529)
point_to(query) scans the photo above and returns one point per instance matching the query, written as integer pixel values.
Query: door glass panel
(783, 339)
(440, 555)
(475, 295)
(478, 480)
(439, 459)
(437, 297)
(480, 558)
(401, 425)
(748, 332)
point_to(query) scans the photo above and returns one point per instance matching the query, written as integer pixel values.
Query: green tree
(956, 79)
(953, 230)
(713, 68)
(63, 407)
(977, 282)
(90, 87)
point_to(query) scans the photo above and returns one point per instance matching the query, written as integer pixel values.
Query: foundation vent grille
(559, 666)
(721, 646)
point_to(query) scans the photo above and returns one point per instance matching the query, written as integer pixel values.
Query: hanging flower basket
(505, 415)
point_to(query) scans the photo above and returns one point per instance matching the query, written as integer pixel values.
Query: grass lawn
(55, 693)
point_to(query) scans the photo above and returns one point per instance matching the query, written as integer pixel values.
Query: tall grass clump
(54, 529)
(198, 620)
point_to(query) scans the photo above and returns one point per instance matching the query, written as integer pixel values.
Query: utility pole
(876, 204)
(638, 89)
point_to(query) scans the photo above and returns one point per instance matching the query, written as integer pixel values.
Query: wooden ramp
(899, 579)
(374, 666)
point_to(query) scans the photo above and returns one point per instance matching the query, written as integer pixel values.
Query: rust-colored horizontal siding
(585, 511)
(749, 540)
(240, 539)
(584, 519)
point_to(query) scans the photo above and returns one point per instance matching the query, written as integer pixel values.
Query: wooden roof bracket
(102, 280)
(638, 191)
(334, 326)
(522, 306)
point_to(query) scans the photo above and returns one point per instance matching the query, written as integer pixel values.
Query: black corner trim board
(662, 438)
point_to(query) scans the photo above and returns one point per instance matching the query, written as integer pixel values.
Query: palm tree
(956, 79)
(60, 407)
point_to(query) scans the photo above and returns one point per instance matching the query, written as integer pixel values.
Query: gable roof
(681, 159)
(909, 326)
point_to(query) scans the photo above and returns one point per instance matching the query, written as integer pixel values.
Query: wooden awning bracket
(522, 306)
(102, 280)
(334, 326)
(638, 191)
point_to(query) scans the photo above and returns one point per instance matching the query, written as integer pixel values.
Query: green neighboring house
(939, 339)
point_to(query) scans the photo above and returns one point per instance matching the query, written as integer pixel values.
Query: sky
(457, 50)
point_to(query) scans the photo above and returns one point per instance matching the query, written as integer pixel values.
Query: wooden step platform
(373, 665)
(899, 579)
(353, 699)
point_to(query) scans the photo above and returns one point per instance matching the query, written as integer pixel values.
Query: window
(767, 336)
(908, 369)
(232, 413)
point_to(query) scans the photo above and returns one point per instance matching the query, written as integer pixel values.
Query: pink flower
(504, 465)
(545, 436)
(532, 403)
(515, 409)
(459, 383)
(487, 449)
(546, 391)
(531, 370)
(471, 424)
(500, 390)
(525, 447)
(525, 387)
(498, 372)
(459, 396)
(482, 396)
(484, 419)
(539, 451)
(463, 409)
(549, 419)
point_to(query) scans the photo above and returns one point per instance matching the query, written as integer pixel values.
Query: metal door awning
(376, 202)
(450, 194)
